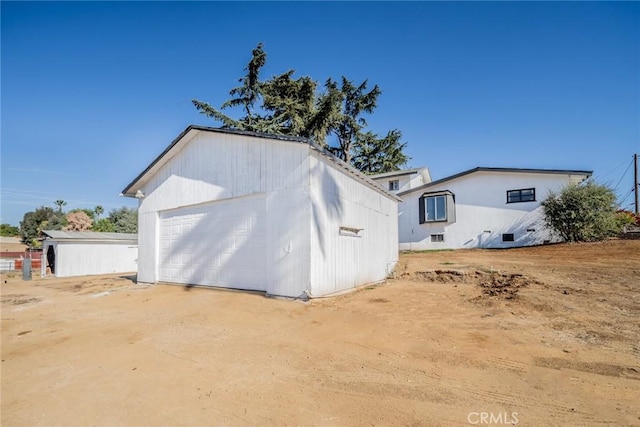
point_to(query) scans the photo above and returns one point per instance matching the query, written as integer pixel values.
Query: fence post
(26, 269)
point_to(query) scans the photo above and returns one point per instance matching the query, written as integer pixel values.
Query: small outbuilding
(270, 213)
(83, 253)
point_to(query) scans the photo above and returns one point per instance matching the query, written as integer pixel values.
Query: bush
(78, 221)
(8, 230)
(583, 213)
(103, 225)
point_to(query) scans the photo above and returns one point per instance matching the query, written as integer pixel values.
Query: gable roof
(396, 173)
(586, 174)
(192, 130)
(91, 236)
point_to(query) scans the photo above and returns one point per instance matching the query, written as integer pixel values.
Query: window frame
(447, 205)
(439, 238)
(394, 185)
(519, 191)
(436, 218)
(512, 239)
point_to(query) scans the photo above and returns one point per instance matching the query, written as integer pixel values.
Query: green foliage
(625, 218)
(124, 220)
(374, 155)
(103, 225)
(99, 210)
(294, 106)
(33, 223)
(583, 213)
(8, 230)
(244, 96)
(348, 125)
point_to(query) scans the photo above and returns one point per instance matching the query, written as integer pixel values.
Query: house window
(508, 237)
(437, 238)
(394, 185)
(436, 208)
(524, 195)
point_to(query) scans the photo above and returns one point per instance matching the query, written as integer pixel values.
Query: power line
(626, 195)
(622, 177)
(602, 177)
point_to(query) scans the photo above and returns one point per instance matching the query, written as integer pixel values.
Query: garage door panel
(220, 244)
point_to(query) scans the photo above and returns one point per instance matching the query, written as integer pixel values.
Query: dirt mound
(440, 276)
(492, 284)
(503, 285)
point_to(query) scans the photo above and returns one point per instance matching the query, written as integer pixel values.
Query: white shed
(83, 253)
(261, 212)
(479, 208)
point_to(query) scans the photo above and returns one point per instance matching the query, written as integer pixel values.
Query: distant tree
(89, 212)
(124, 220)
(333, 118)
(78, 221)
(244, 96)
(99, 210)
(8, 230)
(355, 102)
(33, 223)
(374, 155)
(103, 225)
(60, 204)
(583, 213)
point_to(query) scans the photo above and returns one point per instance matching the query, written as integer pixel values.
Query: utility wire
(623, 175)
(626, 195)
(602, 177)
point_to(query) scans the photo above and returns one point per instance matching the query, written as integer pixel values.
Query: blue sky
(92, 92)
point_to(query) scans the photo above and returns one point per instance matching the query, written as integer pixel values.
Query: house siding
(341, 262)
(214, 167)
(482, 212)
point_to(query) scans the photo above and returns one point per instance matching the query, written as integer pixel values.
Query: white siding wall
(82, 259)
(216, 166)
(405, 182)
(480, 200)
(341, 262)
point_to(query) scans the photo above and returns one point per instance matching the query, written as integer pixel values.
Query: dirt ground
(537, 336)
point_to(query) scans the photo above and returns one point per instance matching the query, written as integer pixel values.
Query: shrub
(78, 221)
(583, 213)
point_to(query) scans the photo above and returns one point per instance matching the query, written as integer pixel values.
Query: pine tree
(333, 118)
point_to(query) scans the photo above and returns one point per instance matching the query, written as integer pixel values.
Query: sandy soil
(537, 336)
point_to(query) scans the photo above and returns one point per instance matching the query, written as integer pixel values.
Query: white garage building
(82, 253)
(261, 212)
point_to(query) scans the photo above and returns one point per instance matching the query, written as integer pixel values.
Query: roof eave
(131, 189)
(586, 173)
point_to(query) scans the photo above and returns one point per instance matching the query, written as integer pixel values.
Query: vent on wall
(350, 231)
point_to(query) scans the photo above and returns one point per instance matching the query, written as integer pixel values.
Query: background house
(403, 180)
(13, 251)
(82, 253)
(261, 212)
(481, 207)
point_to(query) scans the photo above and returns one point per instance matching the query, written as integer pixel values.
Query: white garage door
(218, 244)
